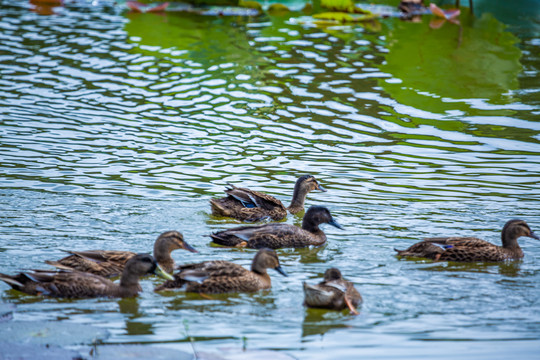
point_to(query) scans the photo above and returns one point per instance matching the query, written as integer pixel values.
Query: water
(116, 127)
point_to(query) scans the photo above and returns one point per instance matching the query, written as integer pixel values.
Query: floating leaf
(338, 5)
(342, 17)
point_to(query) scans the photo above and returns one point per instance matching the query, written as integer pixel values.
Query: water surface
(115, 127)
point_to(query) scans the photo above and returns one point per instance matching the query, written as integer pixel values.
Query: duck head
(317, 215)
(266, 259)
(513, 229)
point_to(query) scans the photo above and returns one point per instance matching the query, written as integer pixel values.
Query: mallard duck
(212, 277)
(468, 249)
(110, 263)
(77, 284)
(334, 292)
(248, 205)
(275, 236)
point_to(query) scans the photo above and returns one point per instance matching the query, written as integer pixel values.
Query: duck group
(88, 273)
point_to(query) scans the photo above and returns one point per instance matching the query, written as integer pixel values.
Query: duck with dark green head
(275, 236)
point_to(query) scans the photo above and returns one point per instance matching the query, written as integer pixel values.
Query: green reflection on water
(478, 59)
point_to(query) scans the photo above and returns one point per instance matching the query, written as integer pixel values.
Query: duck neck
(167, 264)
(298, 199)
(163, 257)
(509, 239)
(129, 284)
(263, 277)
(314, 229)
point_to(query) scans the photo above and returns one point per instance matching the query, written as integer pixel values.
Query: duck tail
(11, 281)
(58, 265)
(399, 252)
(225, 240)
(218, 209)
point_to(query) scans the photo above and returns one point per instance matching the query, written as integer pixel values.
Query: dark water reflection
(115, 127)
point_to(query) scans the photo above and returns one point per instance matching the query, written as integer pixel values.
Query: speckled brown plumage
(248, 205)
(214, 277)
(332, 293)
(275, 236)
(110, 263)
(470, 249)
(76, 284)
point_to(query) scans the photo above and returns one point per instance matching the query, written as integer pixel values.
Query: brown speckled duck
(334, 292)
(212, 277)
(470, 249)
(248, 205)
(110, 263)
(76, 284)
(275, 236)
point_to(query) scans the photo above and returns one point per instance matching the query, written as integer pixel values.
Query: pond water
(116, 126)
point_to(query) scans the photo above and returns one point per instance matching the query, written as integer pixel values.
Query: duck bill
(534, 236)
(320, 187)
(188, 247)
(162, 274)
(281, 271)
(335, 223)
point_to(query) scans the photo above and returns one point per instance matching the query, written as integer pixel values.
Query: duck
(78, 284)
(248, 205)
(219, 276)
(471, 249)
(334, 292)
(110, 263)
(275, 236)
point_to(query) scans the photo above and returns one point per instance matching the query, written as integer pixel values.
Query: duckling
(110, 263)
(275, 236)
(77, 284)
(334, 292)
(213, 277)
(248, 205)
(469, 249)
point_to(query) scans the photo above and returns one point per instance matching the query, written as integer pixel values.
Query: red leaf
(437, 11)
(452, 13)
(160, 7)
(135, 6)
(436, 23)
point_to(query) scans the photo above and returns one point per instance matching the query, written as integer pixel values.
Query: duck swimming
(470, 249)
(248, 205)
(212, 277)
(334, 292)
(77, 284)
(110, 263)
(275, 236)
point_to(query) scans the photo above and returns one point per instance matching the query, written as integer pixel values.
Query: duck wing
(202, 272)
(65, 284)
(273, 236)
(459, 241)
(107, 263)
(251, 199)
